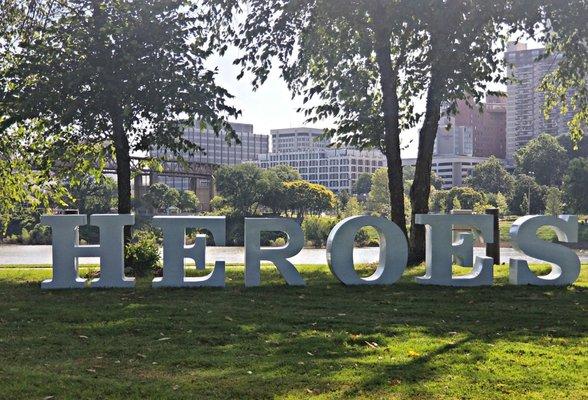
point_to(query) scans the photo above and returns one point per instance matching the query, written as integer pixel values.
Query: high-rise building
(474, 133)
(337, 169)
(304, 150)
(525, 119)
(220, 152)
(216, 149)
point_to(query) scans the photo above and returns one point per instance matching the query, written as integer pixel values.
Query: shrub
(25, 236)
(142, 253)
(41, 234)
(191, 237)
(269, 238)
(362, 237)
(279, 242)
(316, 229)
(12, 239)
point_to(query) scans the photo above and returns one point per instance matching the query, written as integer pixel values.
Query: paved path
(14, 254)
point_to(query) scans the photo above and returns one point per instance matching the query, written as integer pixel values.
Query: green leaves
(305, 197)
(544, 158)
(87, 68)
(491, 177)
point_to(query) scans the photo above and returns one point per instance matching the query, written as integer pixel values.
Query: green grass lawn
(545, 233)
(322, 341)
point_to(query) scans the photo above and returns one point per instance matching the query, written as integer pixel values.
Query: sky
(272, 106)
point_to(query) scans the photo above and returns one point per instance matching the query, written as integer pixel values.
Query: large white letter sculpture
(566, 268)
(67, 250)
(440, 249)
(393, 251)
(175, 250)
(254, 254)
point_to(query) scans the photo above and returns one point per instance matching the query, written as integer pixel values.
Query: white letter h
(67, 250)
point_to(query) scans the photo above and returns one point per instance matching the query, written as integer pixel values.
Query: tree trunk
(390, 108)
(123, 168)
(421, 187)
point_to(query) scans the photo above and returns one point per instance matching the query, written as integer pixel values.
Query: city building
(304, 150)
(196, 175)
(294, 139)
(452, 169)
(488, 127)
(337, 169)
(457, 140)
(218, 151)
(525, 119)
(474, 133)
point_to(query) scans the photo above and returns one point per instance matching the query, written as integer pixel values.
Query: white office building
(304, 150)
(295, 139)
(452, 169)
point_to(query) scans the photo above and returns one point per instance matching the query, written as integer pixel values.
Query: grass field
(545, 233)
(322, 341)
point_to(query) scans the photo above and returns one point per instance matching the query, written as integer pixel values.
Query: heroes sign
(440, 250)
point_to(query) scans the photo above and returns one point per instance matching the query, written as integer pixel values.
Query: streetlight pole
(532, 175)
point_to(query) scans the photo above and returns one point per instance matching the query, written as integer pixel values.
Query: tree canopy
(492, 177)
(466, 197)
(161, 197)
(362, 63)
(519, 202)
(188, 201)
(243, 186)
(93, 196)
(126, 75)
(363, 185)
(303, 197)
(544, 158)
(286, 173)
(578, 148)
(565, 36)
(576, 186)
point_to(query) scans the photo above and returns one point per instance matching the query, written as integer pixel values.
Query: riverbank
(21, 254)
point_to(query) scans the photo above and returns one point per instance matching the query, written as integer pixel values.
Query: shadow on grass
(325, 339)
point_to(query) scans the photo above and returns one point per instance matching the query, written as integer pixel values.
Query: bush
(316, 229)
(191, 237)
(279, 242)
(269, 238)
(12, 239)
(142, 253)
(362, 237)
(41, 234)
(25, 236)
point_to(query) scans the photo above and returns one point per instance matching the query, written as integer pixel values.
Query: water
(16, 254)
